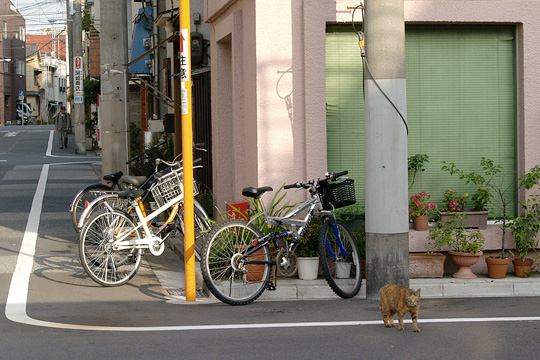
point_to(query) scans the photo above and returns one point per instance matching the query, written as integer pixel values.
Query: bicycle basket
(338, 194)
(167, 187)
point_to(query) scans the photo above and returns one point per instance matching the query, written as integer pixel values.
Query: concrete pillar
(77, 114)
(113, 59)
(387, 227)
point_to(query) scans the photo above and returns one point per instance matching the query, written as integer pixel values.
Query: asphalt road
(61, 314)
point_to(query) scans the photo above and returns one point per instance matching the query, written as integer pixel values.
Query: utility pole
(113, 59)
(69, 53)
(187, 148)
(387, 225)
(78, 100)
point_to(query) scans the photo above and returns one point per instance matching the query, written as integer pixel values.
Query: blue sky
(40, 13)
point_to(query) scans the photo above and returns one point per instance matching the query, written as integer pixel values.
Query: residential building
(12, 61)
(287, 90)
(34, 91)
(46, 83)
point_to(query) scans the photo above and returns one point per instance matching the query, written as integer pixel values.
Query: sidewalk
(170, 273)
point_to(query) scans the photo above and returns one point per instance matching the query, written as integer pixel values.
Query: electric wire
(360, 34)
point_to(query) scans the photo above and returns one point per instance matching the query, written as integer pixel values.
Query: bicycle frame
(122, 244)
(297, 228)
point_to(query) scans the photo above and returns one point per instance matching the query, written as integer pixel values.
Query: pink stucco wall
(279, 87)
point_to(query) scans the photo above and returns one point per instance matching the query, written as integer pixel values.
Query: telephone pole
(113, 59)
(387, 225)
(78, 98)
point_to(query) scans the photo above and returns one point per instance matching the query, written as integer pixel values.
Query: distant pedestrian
(63, 125)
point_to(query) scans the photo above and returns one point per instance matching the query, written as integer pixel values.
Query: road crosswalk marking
(11, 133)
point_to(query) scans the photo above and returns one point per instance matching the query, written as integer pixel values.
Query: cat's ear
(417, 292)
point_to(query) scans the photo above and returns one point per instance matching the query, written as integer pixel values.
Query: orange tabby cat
(397, 299)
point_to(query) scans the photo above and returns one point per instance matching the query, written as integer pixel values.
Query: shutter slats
(460, 99)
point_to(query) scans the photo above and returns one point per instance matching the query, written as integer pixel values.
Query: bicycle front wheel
(340, 258)
(106, 266)
(229, 273)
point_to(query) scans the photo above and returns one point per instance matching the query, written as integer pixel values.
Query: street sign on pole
(78, 76)
(187, 149)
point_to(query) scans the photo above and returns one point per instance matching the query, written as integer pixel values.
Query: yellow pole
(187, 148)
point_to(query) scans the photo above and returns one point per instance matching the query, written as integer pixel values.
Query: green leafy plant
(309, 244)
(276, 207)
(416, 164)
(450, 234)
(524, 229)
(484, 180)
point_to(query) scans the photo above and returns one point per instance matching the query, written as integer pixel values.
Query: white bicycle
(112, 242)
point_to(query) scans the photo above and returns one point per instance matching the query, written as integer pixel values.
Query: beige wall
(276, 111)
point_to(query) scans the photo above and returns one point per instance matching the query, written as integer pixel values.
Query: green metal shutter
(460, 98)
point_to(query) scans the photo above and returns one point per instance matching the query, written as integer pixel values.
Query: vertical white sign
(185, 70)
(78, 89)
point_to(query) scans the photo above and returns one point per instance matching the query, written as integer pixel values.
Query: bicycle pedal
(270, 286)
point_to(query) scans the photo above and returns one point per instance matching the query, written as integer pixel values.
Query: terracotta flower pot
(497, 267)
(421, 223)
(522, 268)
(464, 261)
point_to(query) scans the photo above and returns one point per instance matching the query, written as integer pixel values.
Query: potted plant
(484, 180)
(429, 264)
(465, 245)
(307, 253)
(525, 227)
(420, 210)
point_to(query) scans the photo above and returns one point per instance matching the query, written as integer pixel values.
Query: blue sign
(78, 99)
(21, 93)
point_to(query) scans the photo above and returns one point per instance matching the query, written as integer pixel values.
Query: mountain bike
(112, 242)
(238, 261)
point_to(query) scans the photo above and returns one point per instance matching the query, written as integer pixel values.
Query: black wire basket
(336, 195)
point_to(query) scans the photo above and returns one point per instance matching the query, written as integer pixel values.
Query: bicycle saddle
(254, 192)
(133, 180)
(114, 177)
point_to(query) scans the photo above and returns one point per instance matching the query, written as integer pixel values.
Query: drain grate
(182, 293)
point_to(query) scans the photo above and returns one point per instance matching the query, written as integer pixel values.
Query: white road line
(49, 150)
(3, 160)
(49, 145)
(11, 134)
(18, 292)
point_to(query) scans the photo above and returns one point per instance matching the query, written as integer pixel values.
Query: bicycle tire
(342, 272)
(96, 255)
(87, 194)
(224, 244)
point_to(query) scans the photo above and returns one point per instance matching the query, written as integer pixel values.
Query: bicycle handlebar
(307, 184)
(145, 152)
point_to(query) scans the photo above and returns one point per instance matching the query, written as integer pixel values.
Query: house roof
(31, 49)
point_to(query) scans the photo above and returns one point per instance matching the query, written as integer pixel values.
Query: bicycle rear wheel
(103, 203)
(84, 198)
(226, 268)
(106, 266)
(340, 258)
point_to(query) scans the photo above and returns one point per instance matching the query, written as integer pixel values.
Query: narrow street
(62, 314)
